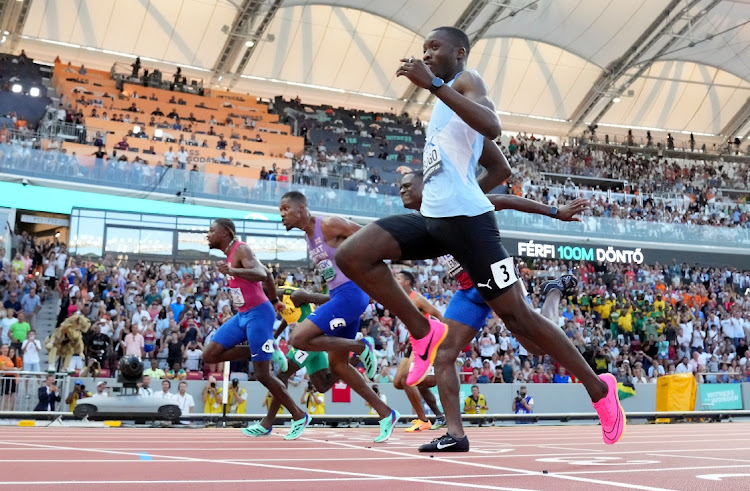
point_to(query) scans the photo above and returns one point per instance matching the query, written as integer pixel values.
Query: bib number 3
(504, 273)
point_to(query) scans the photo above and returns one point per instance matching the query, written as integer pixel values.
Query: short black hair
(415, 175)
(295, 196)
(459, 37)
(227, 224)
(408, 276)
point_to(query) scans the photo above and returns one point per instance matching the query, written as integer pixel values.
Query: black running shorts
(473, 241)
(410, 231)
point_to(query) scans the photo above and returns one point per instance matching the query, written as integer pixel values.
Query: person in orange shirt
(9, 379)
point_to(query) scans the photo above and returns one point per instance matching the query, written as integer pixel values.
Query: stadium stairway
(46, 320)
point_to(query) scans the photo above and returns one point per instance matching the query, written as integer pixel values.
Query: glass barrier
(145, 179)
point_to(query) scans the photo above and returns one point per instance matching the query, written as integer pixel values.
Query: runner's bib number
(327, 271)
(504, 273)
(452, 267)
(237, 299)
(432, 162)
(300, 356)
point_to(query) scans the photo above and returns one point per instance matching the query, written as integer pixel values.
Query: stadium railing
(27, 162)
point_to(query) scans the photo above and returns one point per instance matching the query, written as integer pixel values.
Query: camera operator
(237, 397)
(79, 392)
(523, 403)
(314, 400)
(211, 399)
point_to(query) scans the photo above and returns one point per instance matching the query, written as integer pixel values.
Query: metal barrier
(19, 391)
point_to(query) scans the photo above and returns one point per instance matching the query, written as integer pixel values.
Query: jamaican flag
(625, 390)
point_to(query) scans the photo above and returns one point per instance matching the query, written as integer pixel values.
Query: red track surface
(679, 457)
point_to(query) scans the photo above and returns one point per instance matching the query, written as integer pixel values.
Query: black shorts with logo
(473, 241)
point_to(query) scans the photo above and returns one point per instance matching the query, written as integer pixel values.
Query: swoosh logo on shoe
(441, 446)
(613, 430)
(426, 354)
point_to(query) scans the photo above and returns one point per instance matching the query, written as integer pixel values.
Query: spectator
(193, 357)
(154, 372)
(32, 304)
(176, 372)
(184, 400)
(561, 377)
(31, 348)
(5, 325)
(134, 343)
(49, 395)
(18, 331)
(102, 389)
(164, 393)
(144, 387)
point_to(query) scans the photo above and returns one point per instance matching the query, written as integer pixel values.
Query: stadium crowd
(636, 321)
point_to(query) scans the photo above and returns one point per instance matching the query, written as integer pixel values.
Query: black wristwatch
(437, 82)
(553, 211)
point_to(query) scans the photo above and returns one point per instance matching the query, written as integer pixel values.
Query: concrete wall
(548, 398)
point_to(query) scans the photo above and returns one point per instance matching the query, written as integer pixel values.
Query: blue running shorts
(468, 307)
(340, 315)
(254, 326)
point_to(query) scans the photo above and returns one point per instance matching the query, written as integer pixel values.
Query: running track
(649, 457)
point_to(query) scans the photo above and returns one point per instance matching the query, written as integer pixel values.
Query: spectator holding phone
(49, 395)
(79, 392)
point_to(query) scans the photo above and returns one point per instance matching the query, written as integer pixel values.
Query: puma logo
(487, 285)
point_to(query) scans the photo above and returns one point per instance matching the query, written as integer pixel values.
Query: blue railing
(140, 177)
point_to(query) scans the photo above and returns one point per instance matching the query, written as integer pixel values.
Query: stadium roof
(681, 65)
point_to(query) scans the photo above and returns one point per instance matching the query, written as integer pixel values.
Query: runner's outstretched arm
(566, 213)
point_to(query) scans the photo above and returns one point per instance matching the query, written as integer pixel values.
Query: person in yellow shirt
(315, 401)
(79, 392)
(237, 398)
(475, 403)
(625, 322)
(211, 397)
(267, 403)
(659, 304)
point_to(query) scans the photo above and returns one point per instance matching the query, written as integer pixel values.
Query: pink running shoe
(610, 412)
(424, 351)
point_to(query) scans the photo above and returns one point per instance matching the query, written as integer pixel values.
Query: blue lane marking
(144, 456)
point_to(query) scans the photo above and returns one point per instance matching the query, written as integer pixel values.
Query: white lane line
(700, 457)
(653, 469)
(271, 466)
(520, 472)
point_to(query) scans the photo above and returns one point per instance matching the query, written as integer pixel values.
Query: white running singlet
(451, 153)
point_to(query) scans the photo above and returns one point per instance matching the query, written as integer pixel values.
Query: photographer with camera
(314, 400)
(211, 397)
(237, 398)
(523, 403)
(79, 392)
